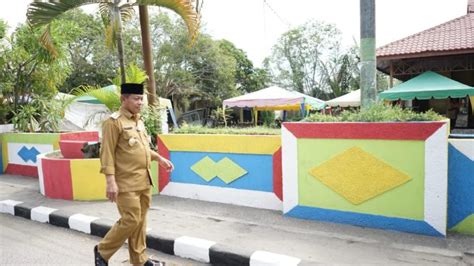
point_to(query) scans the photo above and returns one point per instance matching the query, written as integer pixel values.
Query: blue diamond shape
(28, 154)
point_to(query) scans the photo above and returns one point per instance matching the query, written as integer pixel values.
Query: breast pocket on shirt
(132, 138)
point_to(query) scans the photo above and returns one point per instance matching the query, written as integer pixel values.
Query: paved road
(247, 229)
(24, 242)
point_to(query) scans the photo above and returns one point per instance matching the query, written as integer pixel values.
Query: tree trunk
(368, 81)
(147, 53)
(118, 35)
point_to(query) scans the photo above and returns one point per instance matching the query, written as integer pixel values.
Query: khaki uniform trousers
(133, 207)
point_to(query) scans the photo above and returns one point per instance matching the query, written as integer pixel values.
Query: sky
(255, 25)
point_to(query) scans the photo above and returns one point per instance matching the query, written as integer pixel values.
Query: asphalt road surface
(25, 242)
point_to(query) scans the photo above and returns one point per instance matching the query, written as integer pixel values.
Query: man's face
(132, 102)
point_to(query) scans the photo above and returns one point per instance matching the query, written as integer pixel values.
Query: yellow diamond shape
(205, 168)
(358, 176)
(229, 171)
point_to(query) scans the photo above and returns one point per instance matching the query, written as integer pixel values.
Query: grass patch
(190, 129)
(377, 113)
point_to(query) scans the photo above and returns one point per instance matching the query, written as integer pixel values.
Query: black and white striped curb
(183, 246)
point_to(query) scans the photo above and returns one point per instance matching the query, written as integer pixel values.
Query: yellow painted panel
(358, 176)
(4, 155)
(87, 182)
(244, 144)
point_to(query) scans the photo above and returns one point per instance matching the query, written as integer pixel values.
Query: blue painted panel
(460, 186)
(365, 220)
(259, 169)
(28, 154)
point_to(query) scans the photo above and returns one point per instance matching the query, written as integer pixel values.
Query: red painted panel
(86, 135)
(348, 130)
(71, 149)
(164, 176)
(277, 175)
(57, 179)
(19, 169)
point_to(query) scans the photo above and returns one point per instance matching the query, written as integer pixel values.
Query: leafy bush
(41, 114)
(25, 119)
(189, 129)
(152, 119)
(268, 118)
(5, 110)
(219, 116)
(377, 113)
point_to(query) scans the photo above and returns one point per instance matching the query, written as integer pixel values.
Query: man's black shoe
(99, 261)
(151, 262)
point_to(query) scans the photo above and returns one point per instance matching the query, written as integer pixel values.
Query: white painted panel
(40, 173)
(14, 148)
(289, 155)
(465, 146)
(241, 197)
(436, 180)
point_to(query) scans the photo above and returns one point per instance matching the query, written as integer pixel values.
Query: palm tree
(114, 13)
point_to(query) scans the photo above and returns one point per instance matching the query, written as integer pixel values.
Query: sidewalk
(240, 231)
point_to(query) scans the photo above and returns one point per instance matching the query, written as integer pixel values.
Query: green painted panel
(38, 138)
(466, 226)
(154, 173)
(4, 153)
(405, 201)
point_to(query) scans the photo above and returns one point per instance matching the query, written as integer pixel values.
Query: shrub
(190, 129)
(377, 113)
(42, 114)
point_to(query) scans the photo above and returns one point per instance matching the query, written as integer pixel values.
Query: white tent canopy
(352, 99)
(275, 98)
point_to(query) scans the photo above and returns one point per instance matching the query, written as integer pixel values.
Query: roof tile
(457, 34)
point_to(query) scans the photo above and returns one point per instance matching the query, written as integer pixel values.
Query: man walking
(125, 158)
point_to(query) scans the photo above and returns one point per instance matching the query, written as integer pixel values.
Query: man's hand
(166, 164)
(112, 188)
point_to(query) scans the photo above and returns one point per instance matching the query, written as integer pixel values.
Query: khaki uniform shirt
(125, 151)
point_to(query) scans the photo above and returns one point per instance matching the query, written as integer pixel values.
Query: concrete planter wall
(19, 150)
(235, 169)
(75, 179)
(6, 128)
(381, 175)
(461, 186)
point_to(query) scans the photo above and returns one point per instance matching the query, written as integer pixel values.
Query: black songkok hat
(131, 88)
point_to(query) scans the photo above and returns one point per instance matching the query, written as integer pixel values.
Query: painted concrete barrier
(19, 150)
(75, 179)
(6, 128)
(461, 186)
(381, 175)
(237, 169)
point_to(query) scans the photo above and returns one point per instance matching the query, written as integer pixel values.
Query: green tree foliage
(207, 73)
(91, 62)
(26, 68)
(310, 59)
(41, 14)
(247, 78)
(3, 28)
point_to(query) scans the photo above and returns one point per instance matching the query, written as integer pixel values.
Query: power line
(284, 21)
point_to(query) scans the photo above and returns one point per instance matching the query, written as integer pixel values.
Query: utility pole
(368, 80)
